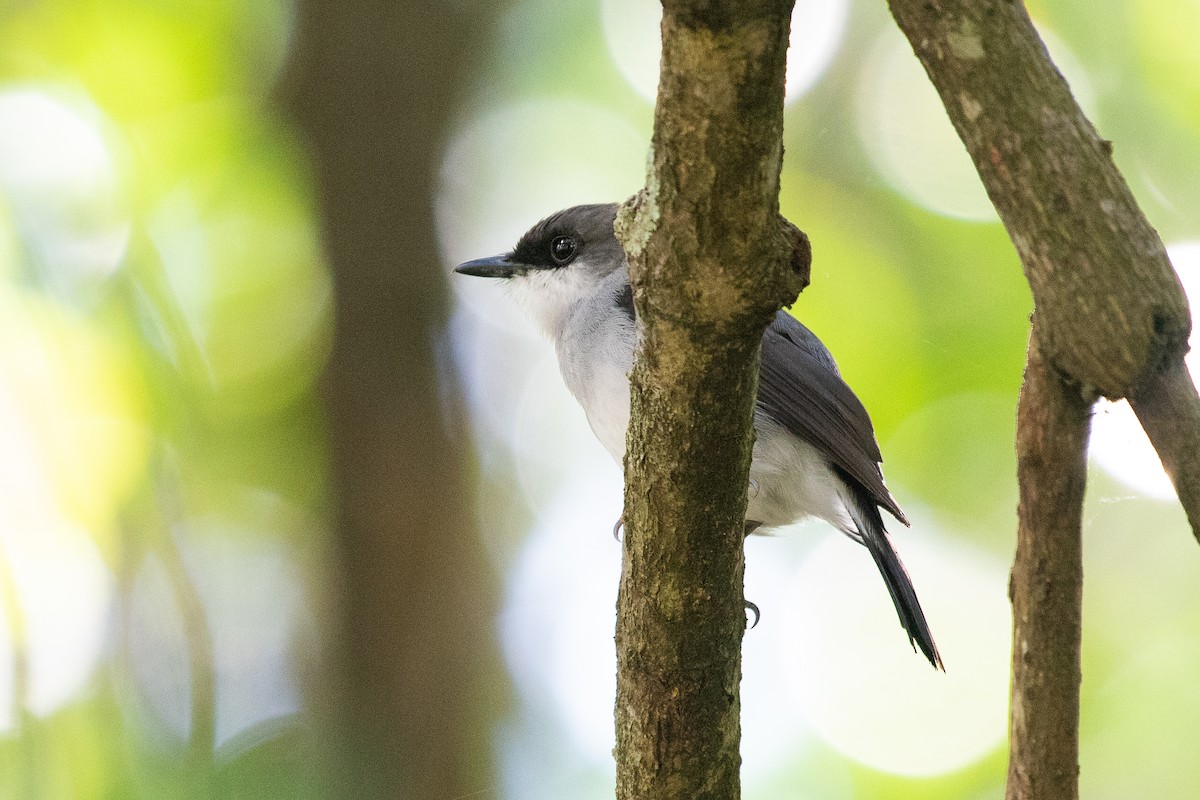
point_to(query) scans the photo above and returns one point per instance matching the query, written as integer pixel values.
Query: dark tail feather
(875, 538)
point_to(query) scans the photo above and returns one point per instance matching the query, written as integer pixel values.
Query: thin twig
(196, 629)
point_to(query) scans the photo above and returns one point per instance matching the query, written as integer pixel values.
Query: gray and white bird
(815, 453)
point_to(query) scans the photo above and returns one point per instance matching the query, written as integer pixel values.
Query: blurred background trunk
(369, 86)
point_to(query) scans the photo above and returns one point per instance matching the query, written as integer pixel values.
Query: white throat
(548, 295)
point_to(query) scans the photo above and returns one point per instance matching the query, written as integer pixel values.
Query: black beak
(491, 267)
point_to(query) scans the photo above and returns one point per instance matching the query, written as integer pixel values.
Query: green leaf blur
(166, 316)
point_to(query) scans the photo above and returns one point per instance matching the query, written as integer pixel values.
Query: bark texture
(1111, 319)
(711, 261)
(369, 87)
(1046, 588)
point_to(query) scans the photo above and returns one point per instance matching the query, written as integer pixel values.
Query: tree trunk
(369, 86)
(711, 262)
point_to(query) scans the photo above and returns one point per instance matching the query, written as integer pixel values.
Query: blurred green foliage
(165, 317)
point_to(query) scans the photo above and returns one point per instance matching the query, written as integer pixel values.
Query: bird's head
(557, 263)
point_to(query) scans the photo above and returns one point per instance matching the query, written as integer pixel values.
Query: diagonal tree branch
(1113, 314)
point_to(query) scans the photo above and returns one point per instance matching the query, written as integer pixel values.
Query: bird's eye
(562, 249)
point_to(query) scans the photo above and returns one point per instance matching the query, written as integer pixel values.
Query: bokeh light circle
(861, 687)
(60, 598)
(1119, 446)
(908, 137)
(253, 604)
(243, 265)
(773, 735)
(631, 31)
(559, 612)
(72, 417)
(1168, 61)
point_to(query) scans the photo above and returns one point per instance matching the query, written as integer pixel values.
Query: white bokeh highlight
(859, 684)
(62, 185)
(60, 594)
(556, 628)
(56, 592)
(631, 31)
(908, 137)
(250, 589)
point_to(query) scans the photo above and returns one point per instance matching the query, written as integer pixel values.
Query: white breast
(595, 353)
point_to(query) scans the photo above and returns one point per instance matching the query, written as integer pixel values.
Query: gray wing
(799, 386)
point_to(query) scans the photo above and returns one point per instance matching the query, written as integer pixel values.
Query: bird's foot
(618, 526)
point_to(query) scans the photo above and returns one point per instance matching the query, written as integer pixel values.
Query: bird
(815, 452)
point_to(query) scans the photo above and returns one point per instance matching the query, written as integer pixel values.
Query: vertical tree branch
(1047, 584)
(710, 264)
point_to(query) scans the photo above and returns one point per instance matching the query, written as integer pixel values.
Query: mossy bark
(711, 261)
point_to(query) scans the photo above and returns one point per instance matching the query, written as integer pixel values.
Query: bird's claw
(620, 523)
(752, 607)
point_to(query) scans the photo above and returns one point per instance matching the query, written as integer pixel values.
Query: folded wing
(800, 387)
